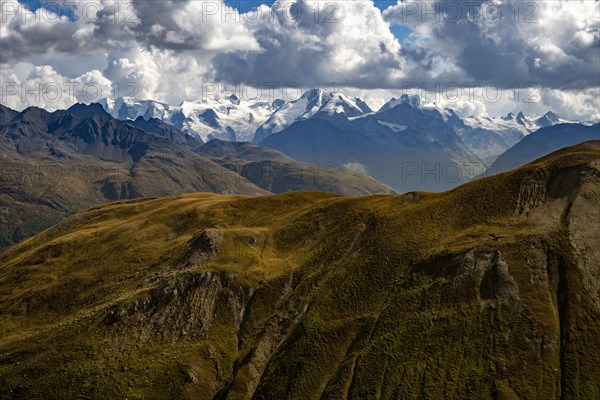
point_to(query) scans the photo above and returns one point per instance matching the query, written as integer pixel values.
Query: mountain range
(488, 137)
(227, 119)
(55, 164)
(405, 147)
(490, 290)
(59, 163)
(334, 129)
(313, 103)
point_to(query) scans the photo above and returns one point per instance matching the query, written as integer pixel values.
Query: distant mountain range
(335, 129)
(230, 118)
(403, 147)
(55, 164)
(488, 137)
(233, 119)
(227, 119)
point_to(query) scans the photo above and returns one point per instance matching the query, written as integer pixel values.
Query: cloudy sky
(475, 56)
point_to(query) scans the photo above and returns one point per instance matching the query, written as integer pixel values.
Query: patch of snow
(394, 127)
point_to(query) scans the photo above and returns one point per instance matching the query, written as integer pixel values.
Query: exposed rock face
(532, 191)
(486, 270)
(412, 197)
(583, 220)
(182, 304)
(204, 246)
(276, 330)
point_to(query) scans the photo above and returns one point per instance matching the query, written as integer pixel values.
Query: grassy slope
(314, 295)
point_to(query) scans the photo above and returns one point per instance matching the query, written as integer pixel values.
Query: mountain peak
(548, 119)
(362, 105)
(338, 103)
(521, 119)
(313, 102)
(314, 97)
(552, 116)
(84, 110)
(412, 100)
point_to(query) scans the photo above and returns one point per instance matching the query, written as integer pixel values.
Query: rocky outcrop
(181, 304)
(532, 191)
(203, 246)
(481, 275)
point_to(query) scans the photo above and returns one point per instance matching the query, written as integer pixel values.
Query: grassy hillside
(490, 290)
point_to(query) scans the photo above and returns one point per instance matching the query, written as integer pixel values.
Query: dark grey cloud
(553, 44)
(27, 34)
(90, 26)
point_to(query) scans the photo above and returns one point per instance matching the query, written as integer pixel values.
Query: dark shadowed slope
(6, 114)
(488, 291)
(543, 141)
(274, 171)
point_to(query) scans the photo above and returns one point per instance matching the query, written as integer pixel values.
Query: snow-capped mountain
(489, 137)
(405, 131)
(236, 120)
(125, 108)
(385, 145)
(227, 119)
(311, 103)
(412, 100)
(232, 119)
(514, 124)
